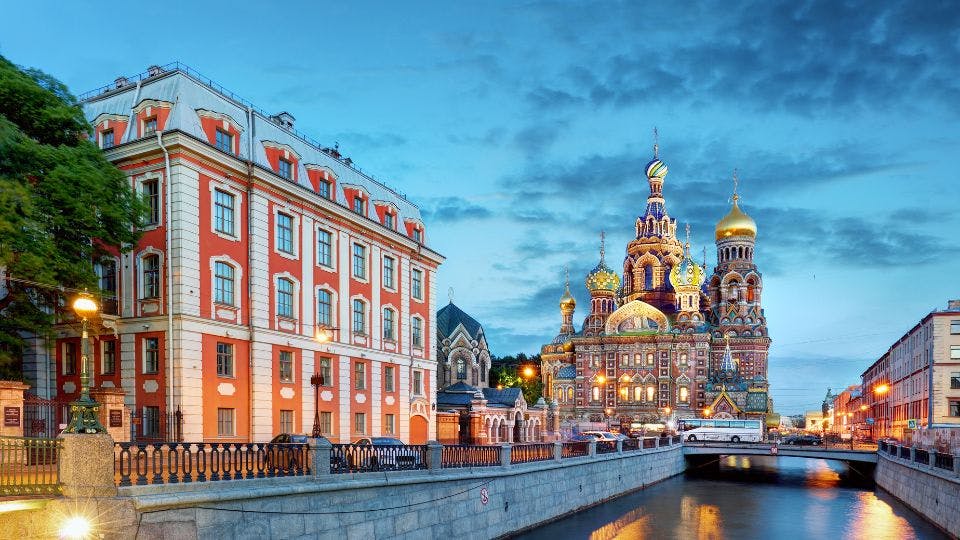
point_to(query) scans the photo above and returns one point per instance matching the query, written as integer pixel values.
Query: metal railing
(28, 466)
(649, 443)
(629, 445)
(346, 458)
(171, 463)
(921, 456)
(905, 452)
(575, 449)
(525, 453)
(675, 439)
(606, 447)
(943, 461)
(470, 456)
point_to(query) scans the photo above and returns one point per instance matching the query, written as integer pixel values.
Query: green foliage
(57, 194)
(507, 374)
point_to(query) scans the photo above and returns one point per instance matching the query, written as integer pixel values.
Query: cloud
(453, 209)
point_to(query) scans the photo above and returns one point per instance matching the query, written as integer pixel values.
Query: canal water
(756, 497)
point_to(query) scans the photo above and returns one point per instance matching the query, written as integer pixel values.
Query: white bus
(708, 429)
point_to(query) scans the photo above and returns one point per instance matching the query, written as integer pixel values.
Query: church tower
(567, 306)
(687, 277)
(655, 250)
(603, 283)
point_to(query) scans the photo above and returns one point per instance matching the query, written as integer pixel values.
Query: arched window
(359, 317)
(596, 393)
(223, 276)
(651, 393)
(684, 394)
(151, 276)
(483, 371)
(638, 393)
(388, 324)
(570, 393)
(461, 368)
(285, 298)
(647, 277)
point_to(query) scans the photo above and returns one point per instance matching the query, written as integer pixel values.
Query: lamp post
(83, 411)
(608, 412)
(323, 334)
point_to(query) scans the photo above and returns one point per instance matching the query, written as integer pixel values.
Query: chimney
(154, 70)
(953, 305)
(120, 82)
(283, 119)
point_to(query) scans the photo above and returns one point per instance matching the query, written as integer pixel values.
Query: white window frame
(413, 334)
(233, 360)
(333, 247)
(141, 276)
(143, 355)
(393, 272)
(293, 366)
(423, 275)
(333, 304)
(413, 383)
(366, 316)
(276, 296)
(237, 214)
(295, 234)
(141, 192)
(383, 322)
(237, 281)
(366, 261)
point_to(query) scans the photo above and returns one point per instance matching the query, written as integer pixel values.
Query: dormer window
(224, 141)
(389, 221)
(150, 126)
(417, 236)
(285, 169)
(106, 139)
(358, 205)
(323, 188)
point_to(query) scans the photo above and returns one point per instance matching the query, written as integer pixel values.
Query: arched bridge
(705, 449)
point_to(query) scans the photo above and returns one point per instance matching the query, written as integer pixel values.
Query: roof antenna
(656, 143)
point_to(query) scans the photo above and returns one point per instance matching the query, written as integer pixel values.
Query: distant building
(468, 410)
(664, 339)
(813, 420)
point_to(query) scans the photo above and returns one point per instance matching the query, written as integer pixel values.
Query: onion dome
(602, 278)
(736, 223)
(656, 169)
(687, 273)
(567, 302)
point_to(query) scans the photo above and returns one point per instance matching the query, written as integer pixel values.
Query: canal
(756, 497)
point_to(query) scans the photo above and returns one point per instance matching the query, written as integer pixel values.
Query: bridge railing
(922, 457)
(464, 455)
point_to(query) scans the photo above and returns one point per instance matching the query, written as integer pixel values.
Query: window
(359, 422)
(326, 376)
(223, 207)
(955, 380)
(151, 355)
(286, 367)
(225, 426)
(651, 393)
(106, 139)
(359, 322)
(389, 221)
(359, 261)
(151, 421)
(326, 422)
(150, 126)
(596, 393)
(388, 378)
(417, 236)
(388, 264)
(324, 308)
(285, 298)
(150, 190)
(285, 169)
(955, 352)
(69, 358)
(684, 394)
(417, 331)
(324, 248)
(107, 274)
(224, 142)
(323, 188)
(224, 359)
(638, 393)
(285, 233)
(108, 362)
(358, 204)
(417, 382)
(388, 424)
(286, 421)
(461, 368)
(359, 378)
(223, 283)
(416, 285)
(955, 327)
(388, 332)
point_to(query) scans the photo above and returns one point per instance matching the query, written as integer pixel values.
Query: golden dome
(567, 302)
(736, 223)
(568, 347)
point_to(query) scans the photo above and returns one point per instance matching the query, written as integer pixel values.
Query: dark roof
(455, 398)
(567, 371)
(450, 316)
(460, 387)
(506, 396)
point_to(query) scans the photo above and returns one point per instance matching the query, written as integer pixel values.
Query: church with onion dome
(664, 339)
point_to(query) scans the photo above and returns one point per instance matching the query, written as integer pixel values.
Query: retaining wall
(931, 492)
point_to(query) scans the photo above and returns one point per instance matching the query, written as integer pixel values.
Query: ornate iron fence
(28, 466)
(470, 456)
(943, 461)
(170, 463)
(346, 458)
(525, 453)
(43, 417)
(575, 449)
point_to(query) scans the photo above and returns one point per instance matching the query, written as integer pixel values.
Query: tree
(507, 374)
(62, 204)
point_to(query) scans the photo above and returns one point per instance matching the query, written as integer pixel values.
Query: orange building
(258, 242)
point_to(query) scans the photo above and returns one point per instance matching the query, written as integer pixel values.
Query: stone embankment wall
(929, 491)
(416, 504)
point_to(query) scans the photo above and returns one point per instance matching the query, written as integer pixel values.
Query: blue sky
(522, 128)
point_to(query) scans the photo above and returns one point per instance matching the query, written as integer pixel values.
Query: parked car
(803, 440)
(603, 435)
(582, 437)
(380, 453)
(278, 457)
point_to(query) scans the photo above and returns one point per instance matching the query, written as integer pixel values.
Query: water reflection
(750, 497)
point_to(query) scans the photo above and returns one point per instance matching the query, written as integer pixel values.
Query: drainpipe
(168, 206)
(249, 271)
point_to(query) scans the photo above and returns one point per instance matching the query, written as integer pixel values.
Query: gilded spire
(656, 143)
(602, 236)
(567, 302)
(736, 222)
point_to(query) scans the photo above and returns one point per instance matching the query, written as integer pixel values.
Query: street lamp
(323, 334)
(83, 411)
(608, 412)
(881, 389)
(528, 372)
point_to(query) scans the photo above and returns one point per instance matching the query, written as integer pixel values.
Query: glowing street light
(863, 407)
(528, 372)
(881, 389)
(76, 527)
(83, 411)
(323, 334)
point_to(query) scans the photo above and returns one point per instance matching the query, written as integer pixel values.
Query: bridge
(700, 450)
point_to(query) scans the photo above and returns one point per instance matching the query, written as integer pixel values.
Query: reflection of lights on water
(75, 528)
(873, 518)
(704, 519)
(633, 524)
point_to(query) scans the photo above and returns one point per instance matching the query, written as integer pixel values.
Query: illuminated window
(684, 394)
(596, 393)
(651, 393)
(286, 367)
(326, 377)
